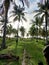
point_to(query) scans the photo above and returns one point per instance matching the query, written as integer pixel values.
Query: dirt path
(25, 59)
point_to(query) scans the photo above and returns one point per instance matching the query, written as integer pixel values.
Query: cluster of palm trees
(19, 15)
(36, 30)
(43, 10)
(37, 23)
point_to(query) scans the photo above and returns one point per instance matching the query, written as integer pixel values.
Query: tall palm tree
(22, 30)
(6, 4)
(19, 15)
(43, 9)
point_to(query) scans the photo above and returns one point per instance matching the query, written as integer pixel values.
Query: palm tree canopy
(42, 9)
(18, 13)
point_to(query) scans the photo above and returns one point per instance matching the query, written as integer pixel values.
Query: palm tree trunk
(37, 35)
(18, 29)
(17, 33)
(46, 27)
(3, 45)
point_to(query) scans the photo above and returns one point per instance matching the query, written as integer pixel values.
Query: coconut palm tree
(22, 30)
(43, 9)
(19, 15)
(6, 5)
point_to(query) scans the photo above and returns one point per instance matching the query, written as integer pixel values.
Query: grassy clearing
(33, 48)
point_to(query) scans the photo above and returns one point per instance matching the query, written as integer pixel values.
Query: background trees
(22, 30)
(32, 30)
(43, 9)
(10, 30)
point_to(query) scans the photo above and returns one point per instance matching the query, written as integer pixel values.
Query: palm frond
(16, 18)
(40, 10)
(32, 22)
(22, 14)
(42, 18)
(38, 14)
(24, 18)
(22, 2)
(12, 15)
(2, 21)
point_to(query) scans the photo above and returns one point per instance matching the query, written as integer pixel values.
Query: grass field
(34, 50)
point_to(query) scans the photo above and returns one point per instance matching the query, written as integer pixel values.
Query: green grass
(34, 50)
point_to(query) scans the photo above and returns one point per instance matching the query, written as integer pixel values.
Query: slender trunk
(16, 41)
(37, 35)
(17, 33)
(46, 27)
(17, 38)
(3, 45)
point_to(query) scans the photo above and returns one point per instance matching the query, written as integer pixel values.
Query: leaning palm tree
(19, 15)
(43, 9)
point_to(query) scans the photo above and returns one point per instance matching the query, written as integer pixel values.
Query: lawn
(34, 51)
